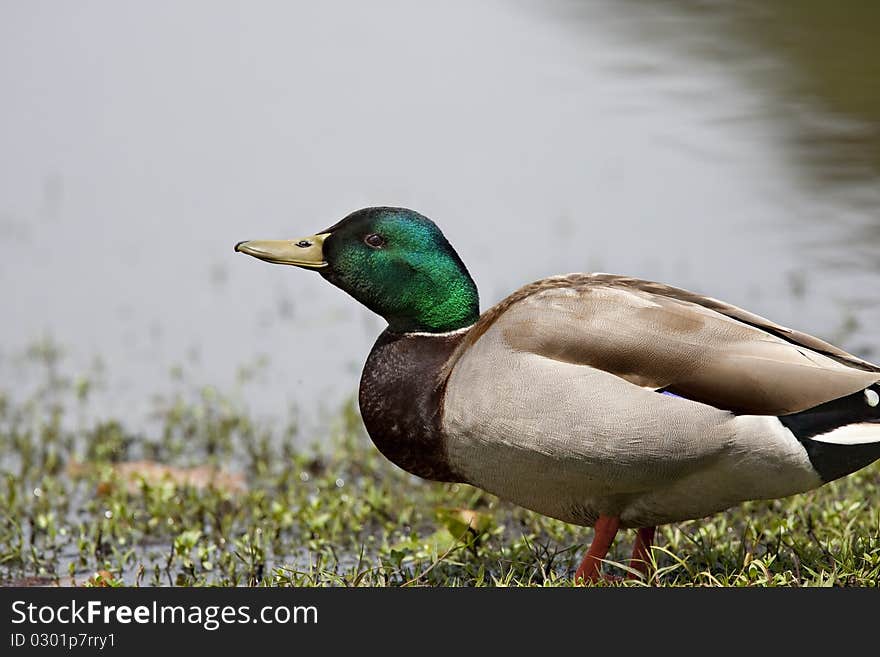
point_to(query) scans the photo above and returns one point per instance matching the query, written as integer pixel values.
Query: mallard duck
(600, 400)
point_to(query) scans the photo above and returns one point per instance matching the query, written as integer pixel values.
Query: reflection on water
(829, 78)
(816, 65)
(817, 68)
(732, 148)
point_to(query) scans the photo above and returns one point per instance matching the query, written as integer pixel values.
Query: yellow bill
(303, 252)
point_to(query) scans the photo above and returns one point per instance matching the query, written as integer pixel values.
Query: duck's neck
(401, 400)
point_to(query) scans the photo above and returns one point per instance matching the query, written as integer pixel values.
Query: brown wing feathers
(663, 337)
(795, 337)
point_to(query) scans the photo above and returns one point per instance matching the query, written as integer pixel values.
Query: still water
(732, 150)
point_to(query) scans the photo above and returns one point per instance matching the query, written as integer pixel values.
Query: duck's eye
(374, 240)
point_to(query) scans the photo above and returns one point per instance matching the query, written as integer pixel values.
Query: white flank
(852, 434)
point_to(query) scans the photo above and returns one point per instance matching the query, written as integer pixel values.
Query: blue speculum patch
(666, 392)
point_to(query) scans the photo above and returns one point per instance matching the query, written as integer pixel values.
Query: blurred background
(732, 148)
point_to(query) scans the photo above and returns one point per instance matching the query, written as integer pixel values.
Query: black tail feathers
(832, 458)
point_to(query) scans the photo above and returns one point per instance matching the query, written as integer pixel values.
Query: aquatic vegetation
(92, 503)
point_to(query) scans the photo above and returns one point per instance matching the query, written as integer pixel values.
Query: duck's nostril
(303, 244)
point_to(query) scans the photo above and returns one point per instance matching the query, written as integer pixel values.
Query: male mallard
(596, 399)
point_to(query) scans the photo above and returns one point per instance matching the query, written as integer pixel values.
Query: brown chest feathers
(401, 400)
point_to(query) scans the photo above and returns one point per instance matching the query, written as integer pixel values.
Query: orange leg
(642, 550)
(606, 529)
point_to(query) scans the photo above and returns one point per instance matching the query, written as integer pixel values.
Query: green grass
(339, 514)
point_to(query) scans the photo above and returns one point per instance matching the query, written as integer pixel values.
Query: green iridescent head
(394, 261)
